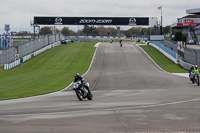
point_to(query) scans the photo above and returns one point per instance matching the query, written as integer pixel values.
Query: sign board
(189, 21)
(7, 27)
(16, 55)
(129, 21)
(157, 37)
(187, 24)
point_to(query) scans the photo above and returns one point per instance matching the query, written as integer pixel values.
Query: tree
(23, 33)
(86, 30)
(143, 31)
(45, 30)
(67, 32)
(167, 29)
(133, 31)
(178, 36)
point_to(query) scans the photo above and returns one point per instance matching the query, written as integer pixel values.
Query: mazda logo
(58, 20)
(132, 20)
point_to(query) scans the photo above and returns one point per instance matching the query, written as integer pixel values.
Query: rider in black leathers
(77, 77)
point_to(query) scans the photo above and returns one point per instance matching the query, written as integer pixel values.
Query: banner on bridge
(126, 21)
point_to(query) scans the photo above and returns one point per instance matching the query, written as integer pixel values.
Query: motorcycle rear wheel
(90, 96)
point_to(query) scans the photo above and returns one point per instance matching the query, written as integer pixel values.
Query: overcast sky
(18, 13)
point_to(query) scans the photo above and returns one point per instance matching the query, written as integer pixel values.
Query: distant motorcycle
(82, 92)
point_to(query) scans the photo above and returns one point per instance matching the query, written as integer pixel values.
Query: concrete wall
(166, 51)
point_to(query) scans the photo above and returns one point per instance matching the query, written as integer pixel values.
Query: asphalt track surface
(131, 94)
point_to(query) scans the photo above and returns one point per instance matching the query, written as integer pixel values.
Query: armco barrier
(41, 50)
(56, 44)
(185, 65)
(11, 65)
(25, 58)
(167, 52)
(46, 48)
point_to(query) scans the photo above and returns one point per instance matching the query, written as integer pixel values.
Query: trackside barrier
(56, 44)
(41, 50)
(28, 57)
(46, 48)
(185, 64)
(167, 52)
(11, 65)
(25, 58)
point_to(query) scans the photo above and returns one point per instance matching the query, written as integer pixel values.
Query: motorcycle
(191, 75)
(82, 92)
(196, 78)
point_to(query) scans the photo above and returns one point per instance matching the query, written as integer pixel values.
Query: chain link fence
(19, 50)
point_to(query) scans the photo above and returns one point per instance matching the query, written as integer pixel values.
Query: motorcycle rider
(77, 77)
(191, 71)
(196, 70)
(120, 42)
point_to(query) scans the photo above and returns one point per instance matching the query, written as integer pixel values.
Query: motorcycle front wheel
(79, 95)
(198, 81)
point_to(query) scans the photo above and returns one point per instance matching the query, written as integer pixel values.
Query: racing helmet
(196, 66)
(76, 75)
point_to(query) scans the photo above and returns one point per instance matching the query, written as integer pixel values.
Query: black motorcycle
(82, 92)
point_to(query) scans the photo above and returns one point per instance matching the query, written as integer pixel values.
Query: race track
(131, 94)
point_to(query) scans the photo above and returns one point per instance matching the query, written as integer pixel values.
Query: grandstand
(190, 25)
(5, 40)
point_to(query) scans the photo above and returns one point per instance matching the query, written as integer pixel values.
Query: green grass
(163, 61)
(139, 43)
(48, 72)
(1, 68)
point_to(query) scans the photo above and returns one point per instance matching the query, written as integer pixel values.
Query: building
(190, 25)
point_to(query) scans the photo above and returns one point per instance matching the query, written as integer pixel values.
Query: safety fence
(28, 57)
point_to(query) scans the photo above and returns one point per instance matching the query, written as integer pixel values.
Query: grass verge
(165, 63)
(48, 72)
